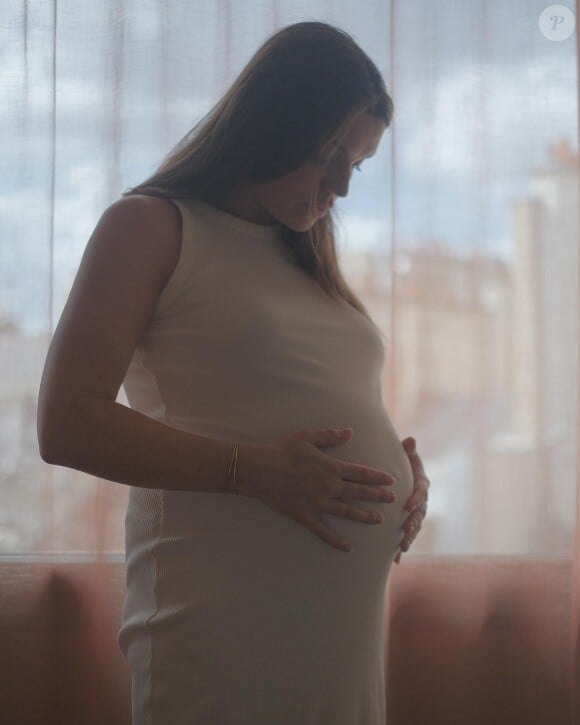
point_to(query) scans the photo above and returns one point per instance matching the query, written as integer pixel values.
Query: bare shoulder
(113, 297)
(157, 221)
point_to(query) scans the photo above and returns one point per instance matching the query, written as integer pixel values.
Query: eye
(321, 160)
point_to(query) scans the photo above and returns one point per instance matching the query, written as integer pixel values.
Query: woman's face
(293, 199)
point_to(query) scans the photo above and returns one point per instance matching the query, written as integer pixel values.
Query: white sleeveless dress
(234, 614)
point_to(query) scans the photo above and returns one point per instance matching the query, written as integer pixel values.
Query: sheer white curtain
(462, 238)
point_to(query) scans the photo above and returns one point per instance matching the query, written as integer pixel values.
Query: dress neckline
(271, 232)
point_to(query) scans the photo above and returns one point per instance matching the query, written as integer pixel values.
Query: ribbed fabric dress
(234, 614)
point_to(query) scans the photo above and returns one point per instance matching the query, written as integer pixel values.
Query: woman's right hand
(293, 477)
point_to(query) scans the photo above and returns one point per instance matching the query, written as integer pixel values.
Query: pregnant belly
(240, 545)
(377, 445)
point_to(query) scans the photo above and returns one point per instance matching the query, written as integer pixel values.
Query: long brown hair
(299, 92)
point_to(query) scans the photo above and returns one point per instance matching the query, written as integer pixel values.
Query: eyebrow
(343, 148)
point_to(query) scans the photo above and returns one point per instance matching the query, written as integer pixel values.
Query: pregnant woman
(259, 531)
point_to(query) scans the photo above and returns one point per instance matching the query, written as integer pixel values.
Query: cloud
(479, 119)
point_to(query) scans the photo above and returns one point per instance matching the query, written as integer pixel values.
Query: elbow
(61, 430)
(47, 453)
(46, 440)
(51, 434)
(45, 424)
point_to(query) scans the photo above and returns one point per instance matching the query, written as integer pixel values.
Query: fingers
(413, 522)
(417, 466)
(409, 444)
(353, 513)
(420, 481)
(418, 502)
(411, 527)
(365, 475)
(323, 532)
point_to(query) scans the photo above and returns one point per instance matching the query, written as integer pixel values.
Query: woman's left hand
(417, 504)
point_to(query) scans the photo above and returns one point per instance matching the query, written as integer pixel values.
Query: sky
(480, 94)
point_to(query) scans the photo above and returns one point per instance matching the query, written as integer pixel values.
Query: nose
(336, 182)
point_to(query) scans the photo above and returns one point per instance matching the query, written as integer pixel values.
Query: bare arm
(128, 259)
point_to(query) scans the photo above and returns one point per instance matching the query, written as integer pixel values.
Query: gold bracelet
(233, 488)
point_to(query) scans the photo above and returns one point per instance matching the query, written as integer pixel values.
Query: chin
(306, 219)
(300, 227)
(298, 222)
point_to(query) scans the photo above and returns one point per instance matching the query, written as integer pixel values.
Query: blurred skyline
(473, 121)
